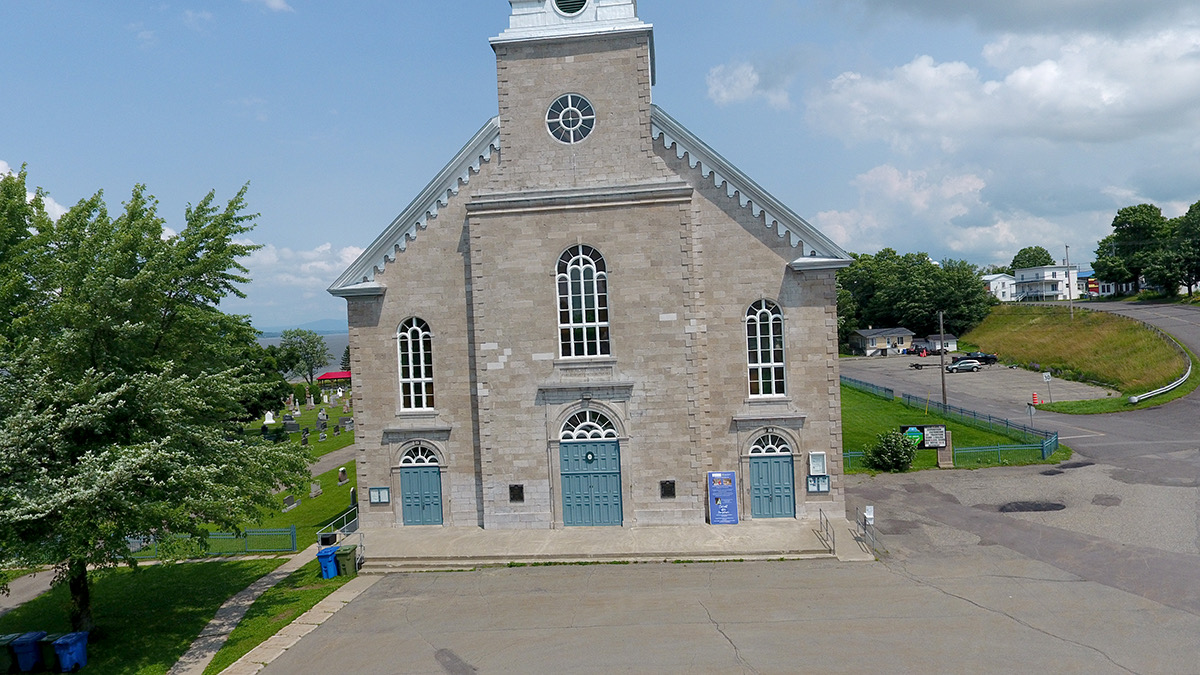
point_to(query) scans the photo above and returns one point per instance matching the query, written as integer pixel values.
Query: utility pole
(942, 356)
(1070, 289)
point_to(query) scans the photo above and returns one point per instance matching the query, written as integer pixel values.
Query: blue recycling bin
(72, 651)
(327, 558)
(27, 651)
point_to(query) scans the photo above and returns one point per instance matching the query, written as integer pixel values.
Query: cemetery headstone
(291, 427)
(342, 478)
(325, 397)
(270, 418)
(291, 402)
(322, 416)
(322, 425)
(265, 430)
(315, 490)
(346, 406)
(289, 503)
(308, 402)
(287, 417)
(322, 436)
(304, 440)
(337, 431)
(353, 497)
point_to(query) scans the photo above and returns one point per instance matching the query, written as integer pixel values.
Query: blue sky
(964, 129)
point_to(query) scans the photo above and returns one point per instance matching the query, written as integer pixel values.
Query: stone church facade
(588, 310)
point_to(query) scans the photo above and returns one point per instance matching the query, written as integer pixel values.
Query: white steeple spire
(547, 19)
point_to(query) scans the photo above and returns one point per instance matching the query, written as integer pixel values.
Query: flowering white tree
(121, 383)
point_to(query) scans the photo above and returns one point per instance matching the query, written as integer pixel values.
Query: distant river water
(336, 344)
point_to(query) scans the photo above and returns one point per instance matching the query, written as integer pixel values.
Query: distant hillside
(322, 327)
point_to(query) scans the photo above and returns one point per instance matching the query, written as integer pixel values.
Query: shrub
(893, 451)
(315, 390)
(299, 390)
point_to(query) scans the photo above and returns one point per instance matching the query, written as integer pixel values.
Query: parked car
(983, 357)
(964, 364)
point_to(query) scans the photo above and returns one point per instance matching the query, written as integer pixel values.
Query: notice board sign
(926, 436)
(722, 498)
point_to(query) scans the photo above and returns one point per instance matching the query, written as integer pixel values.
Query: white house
(1003, 286)
(1048, 282)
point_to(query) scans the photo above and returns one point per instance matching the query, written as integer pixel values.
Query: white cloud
(274, 5)
(1084, 87)
(285, 270)
(736, 82)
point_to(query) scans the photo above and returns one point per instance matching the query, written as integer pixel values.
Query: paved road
(1110, 583)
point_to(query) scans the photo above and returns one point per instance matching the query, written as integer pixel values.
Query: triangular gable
(786, 222)
(359, 278)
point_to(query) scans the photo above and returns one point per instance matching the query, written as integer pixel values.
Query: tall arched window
(582, 303)
(414, 343)
(770, 444)
(764, 349)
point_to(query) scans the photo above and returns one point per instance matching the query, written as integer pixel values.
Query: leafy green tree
(996, 269)
(1186, 231)
(1138, 234)
(1108, 266)
(893, 451)
(888, 289)
(1031, 256)
(19, 217)
(309, 350)
(346, 358)
(121, 387)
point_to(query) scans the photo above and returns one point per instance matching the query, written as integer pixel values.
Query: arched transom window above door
(588, 425)
(582, 303)
(770, 444)
(419, 456)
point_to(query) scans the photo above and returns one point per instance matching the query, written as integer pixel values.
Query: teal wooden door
(421, 495)
(772, 491)
(591, 483)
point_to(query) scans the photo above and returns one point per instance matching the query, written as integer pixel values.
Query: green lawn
(865, 416)
(275, 609)
(313, 513)
(146, 618)
(308, 418)
(1092, 347)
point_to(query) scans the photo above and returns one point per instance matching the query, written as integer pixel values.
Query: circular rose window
(570, 118)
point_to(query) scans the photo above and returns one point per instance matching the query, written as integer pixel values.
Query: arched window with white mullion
(582, 303)
(764, 349)
(414, 344)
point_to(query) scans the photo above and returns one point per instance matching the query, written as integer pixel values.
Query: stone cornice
(587, 198)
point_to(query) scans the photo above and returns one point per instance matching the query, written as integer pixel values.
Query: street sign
(1045, 377)
(926, 436)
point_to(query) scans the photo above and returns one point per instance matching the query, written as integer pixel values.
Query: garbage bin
(325, 557)
(347, 561)
(71, 650)
(8, 662)
(27, 652)
(49, 656)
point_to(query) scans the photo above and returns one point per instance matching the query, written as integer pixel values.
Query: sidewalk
(403, 549)
(205, 646)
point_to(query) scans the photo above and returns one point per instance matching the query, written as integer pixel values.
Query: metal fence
(340, 527)
(1045, 442)
(865, 532)
(882, 392)
(223, 543)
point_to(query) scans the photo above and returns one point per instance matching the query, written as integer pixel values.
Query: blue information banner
(722, 498)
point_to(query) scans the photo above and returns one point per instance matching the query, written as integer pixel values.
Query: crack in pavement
(737, 653)
(904, 573)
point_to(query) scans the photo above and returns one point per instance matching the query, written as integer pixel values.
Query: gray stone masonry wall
(427, 280)
(614, 74)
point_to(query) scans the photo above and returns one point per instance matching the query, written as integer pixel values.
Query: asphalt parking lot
(996, 384)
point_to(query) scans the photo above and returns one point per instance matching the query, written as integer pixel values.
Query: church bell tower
(574, 80)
